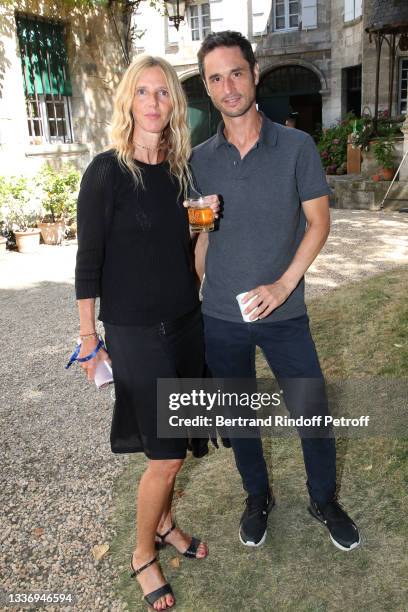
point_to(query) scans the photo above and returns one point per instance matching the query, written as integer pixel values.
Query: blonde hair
(175, 137)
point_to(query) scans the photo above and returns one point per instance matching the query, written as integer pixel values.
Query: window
(351, 85)
(199, 20)
(286, 14)
(46, 82)
(352, 9)
(403, 101)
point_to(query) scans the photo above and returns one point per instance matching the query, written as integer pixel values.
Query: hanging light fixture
(176, 10)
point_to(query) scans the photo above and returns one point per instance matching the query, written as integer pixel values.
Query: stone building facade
(315, 58)
(46, 115)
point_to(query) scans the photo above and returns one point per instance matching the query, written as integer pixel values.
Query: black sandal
(152, 597)
(190, 553)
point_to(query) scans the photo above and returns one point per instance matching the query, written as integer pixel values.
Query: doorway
(292, 91)
(203, 117)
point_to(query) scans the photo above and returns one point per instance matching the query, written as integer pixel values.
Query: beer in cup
(200, 215)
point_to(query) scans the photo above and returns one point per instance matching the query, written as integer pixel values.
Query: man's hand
(268, 297)
(212, 201)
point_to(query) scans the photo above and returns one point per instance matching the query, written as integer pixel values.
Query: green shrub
(24, 200)
(384, 153)
(332, 145)
(364, 132)
(59, 192)
(18, 204)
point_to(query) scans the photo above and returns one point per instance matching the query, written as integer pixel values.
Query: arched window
(289, 79)
(288, 90)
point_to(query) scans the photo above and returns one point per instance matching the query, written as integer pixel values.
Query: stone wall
(95, 65)
(310, 48)
(386, 12)
(346, 47)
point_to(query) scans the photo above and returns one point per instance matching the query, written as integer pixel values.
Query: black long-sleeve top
(133, 244)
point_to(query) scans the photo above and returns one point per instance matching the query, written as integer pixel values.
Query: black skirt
(140, 355)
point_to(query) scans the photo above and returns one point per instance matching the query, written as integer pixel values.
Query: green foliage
(18, 204)
(24, 200)
(364, 132)
(332, 145)
(384, 153)
(59, 191)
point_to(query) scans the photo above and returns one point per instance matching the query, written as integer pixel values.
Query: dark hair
(228, 38)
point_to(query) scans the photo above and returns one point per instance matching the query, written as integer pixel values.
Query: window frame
(357, 5)
(42, 118)
(402, 100)
(200, 18)
(287, 16)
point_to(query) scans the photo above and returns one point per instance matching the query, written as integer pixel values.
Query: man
(291, 120)
(271, 183)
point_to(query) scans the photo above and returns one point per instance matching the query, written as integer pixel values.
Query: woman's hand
(88, 345)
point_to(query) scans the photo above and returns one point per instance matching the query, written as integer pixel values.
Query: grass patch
(355, 329)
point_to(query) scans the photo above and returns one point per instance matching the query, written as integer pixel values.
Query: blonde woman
(134, 252)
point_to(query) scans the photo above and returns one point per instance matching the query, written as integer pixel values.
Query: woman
(134, 252)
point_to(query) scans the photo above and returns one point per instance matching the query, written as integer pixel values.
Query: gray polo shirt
(262, 221)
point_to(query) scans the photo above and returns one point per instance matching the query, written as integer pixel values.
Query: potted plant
(60, 191)
(332, 145)
(366, 135)
(384, 153)
(20, 213)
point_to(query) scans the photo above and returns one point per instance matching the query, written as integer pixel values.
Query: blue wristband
(74, 356)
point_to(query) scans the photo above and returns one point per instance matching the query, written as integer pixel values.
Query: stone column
(404, 170)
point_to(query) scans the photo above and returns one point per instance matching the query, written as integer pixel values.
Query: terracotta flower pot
(29, 241)
(387, 173)
(376, 178)
(52, 233)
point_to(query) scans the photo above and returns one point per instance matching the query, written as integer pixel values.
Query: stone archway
(293, 87)
(203, 117)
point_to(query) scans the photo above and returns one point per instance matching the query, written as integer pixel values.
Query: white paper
(103, 374)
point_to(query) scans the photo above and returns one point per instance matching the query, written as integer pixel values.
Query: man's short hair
(228, 38)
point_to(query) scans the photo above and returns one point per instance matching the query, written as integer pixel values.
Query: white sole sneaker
(249, 543)
(352, 547)
(337, 544)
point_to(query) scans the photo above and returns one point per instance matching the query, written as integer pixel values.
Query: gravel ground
(57, 469)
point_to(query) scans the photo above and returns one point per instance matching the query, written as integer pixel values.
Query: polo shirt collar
(267, 136)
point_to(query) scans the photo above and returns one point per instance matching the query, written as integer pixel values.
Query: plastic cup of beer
(200, 215)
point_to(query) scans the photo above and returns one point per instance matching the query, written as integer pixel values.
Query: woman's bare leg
(155, 488)
(177, 538)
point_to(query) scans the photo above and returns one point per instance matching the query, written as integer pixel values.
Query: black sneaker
(252, 529)
(343, 531)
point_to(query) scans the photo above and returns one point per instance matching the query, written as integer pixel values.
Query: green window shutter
(43, 56)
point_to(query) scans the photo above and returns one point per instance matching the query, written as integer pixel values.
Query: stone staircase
(360, 193)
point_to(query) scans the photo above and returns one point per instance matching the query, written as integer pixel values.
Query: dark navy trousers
(290, 352)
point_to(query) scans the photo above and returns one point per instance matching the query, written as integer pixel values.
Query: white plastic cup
(243, 307)
(103, 375)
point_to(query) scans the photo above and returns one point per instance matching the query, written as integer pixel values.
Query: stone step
(364, 194)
